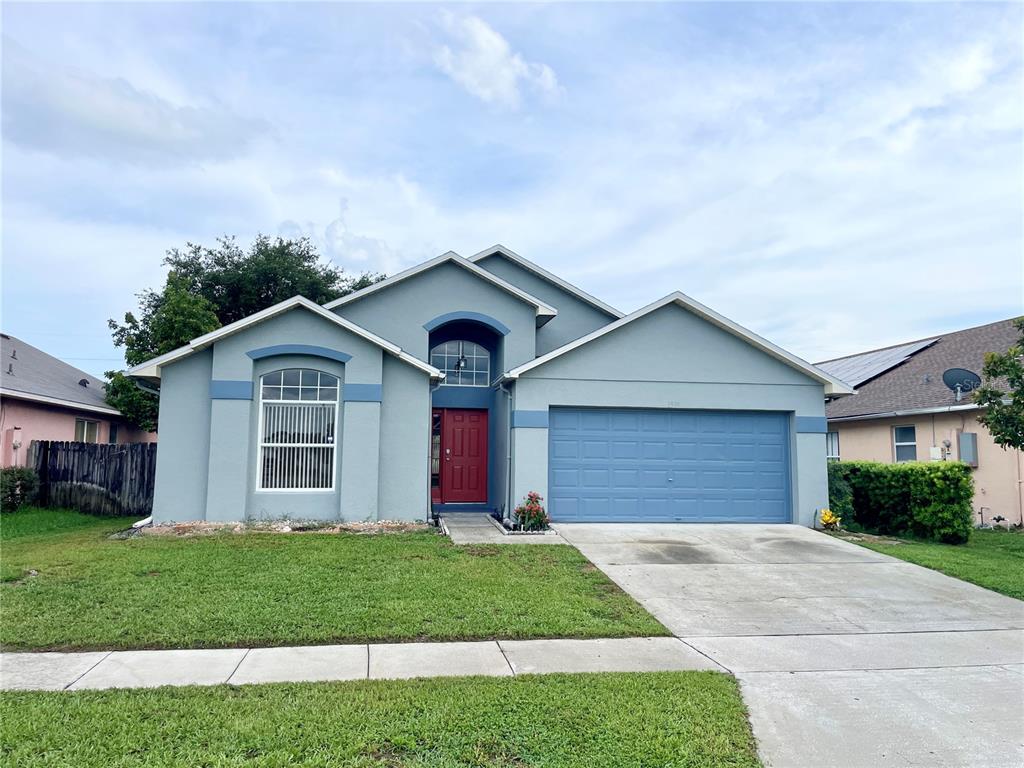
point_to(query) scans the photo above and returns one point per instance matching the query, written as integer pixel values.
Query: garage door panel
(626, 478)
(564, 449)
(565, 478)
(597, 421)
(651, 466)
(595, 449)
(623, 449)
(654, 449)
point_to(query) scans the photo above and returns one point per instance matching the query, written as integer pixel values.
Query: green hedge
(930, 500)
(840, 494)
(18, 487)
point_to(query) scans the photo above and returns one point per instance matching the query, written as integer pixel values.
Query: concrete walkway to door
(846, 657)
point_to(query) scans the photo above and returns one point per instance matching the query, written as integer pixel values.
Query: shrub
(942, 493)
(840, 495)
(532, 515)
(926, 499)
(18, 487)
(830, 520)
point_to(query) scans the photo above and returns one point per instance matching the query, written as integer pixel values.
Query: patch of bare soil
(871, 538)
(283, 526)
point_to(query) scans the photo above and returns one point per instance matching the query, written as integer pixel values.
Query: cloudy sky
(834, 177)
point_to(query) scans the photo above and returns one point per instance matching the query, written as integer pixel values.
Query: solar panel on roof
(857, 369)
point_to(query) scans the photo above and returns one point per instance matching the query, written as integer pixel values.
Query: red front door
(463, 456)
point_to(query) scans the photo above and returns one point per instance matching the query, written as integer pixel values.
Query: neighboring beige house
(903, 411)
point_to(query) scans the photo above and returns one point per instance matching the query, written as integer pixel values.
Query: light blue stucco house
(464, 383)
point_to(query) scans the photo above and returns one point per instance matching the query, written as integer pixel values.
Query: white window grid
(475, 373)
(897, 444)
(298, 418)
(301, 384)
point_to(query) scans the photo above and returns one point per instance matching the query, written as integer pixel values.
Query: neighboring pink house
(43, 398)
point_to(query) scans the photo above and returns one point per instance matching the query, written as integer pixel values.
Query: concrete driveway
(846, 657)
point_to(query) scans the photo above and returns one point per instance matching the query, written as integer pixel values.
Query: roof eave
(549, 276)
(833, 387)
(908, 412)
(150, 370)
(544, 311)
(57, 401)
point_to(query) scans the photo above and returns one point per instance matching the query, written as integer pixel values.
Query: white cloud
(487, 67)
(834, 195)
(78, 114)
(970, 68)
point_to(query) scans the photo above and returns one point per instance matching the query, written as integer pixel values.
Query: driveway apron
(846, 657)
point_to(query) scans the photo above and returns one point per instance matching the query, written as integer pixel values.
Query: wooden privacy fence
(96, 478)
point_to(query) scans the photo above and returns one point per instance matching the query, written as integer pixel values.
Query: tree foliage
(210, 287)
(1004, 408)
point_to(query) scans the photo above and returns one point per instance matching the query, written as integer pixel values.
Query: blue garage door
(631, 465)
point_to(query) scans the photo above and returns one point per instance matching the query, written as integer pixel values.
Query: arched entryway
(467, 347)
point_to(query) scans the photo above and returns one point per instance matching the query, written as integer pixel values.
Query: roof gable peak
(544, 311)
(500, 250)
(833, 386)
(151, 368)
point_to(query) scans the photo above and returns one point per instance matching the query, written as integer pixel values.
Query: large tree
(1004, 407)
(210, 287)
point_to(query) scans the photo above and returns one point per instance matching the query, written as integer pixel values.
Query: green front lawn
(68, 586)
(991, 559)
(653, 719)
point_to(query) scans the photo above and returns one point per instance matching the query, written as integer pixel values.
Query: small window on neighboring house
(904, 440)
(86, 431)
(967, 448)
(298, 413)
(112, 436)
(832, 446)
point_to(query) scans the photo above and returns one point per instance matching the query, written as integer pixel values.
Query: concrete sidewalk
(478, 528)
(238, 666)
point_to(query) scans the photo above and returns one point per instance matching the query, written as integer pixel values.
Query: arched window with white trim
(298, 416)
(464, 363)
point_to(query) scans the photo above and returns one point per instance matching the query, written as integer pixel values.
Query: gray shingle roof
(26, 369)
(916, 382)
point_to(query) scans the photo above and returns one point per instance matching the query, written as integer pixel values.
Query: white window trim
(260, 445)
(895, 445)
(836, 455)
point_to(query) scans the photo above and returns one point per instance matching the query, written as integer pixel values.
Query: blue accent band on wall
(223, 389)
(299, 349)
(530, 419)
(462, 397)
(813, 424)
(476, 317)
(362, 393)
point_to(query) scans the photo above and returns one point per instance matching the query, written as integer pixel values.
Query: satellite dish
(961, 380)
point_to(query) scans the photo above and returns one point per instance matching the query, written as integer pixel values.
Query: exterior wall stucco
(39, 421)
(575, 317)
(672, 359)
(404, 443)
(182, 460)
(998, 489)
(399, 312)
